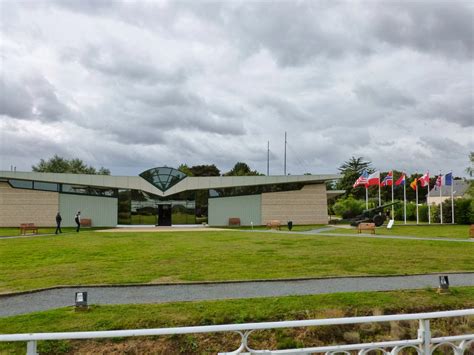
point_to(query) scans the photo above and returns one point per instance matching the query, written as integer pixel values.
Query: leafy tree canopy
(350, 171)
(242, 169)
(204, 170)
(58, 164)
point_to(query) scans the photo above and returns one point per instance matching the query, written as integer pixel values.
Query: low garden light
(443, 284)
(81, 300)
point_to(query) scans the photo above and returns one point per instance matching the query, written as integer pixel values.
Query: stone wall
(305, 206)
(27, 206)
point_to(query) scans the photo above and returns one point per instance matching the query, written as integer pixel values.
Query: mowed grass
(225, 312)
(15, 231)
(122, 258)
(422, 231)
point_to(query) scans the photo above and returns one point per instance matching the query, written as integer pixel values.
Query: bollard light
(443, 284)
(81, 300)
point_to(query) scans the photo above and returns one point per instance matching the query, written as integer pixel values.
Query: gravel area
(62, 297)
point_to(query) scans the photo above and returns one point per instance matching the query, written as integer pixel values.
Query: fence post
(31, 348)
(424, 334)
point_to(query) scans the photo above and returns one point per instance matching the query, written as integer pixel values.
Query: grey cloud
(445, 27)
(31, 98)
(384, 95)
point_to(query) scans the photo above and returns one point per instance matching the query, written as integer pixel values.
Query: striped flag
(424, 180)
(362, 180)
(413, 184)
(439, 181)
(401, 180)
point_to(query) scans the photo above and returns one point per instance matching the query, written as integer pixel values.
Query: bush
(463, 211)
(348, 207)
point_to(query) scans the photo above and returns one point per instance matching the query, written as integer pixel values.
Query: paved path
(62, 297)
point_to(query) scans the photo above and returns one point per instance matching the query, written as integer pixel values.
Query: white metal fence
(423, 344)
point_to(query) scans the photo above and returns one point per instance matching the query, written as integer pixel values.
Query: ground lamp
(443, 284)
(81, 300)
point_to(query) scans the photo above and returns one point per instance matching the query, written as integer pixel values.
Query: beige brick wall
(27, 206)
(305, 206)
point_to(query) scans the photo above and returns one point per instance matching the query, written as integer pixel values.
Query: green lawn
(112, 258)
(14, 231)
(240, 311)
(284, 227)
(424, 231)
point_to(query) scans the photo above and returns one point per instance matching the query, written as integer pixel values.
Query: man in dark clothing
(78, 220)
(58, 223)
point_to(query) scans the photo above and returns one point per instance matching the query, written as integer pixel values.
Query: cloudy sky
(133, 85)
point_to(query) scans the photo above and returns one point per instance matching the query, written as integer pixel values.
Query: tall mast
(268, 158)
(284, 166)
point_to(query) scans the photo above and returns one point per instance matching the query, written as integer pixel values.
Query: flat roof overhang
(187, 184)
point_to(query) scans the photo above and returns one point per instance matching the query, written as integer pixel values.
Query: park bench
(366, 227)
(28, 227)
(471, 231)
(86, 222)
(274, 224)
(234, 221)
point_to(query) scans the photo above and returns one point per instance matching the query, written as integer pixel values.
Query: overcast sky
(134, 85)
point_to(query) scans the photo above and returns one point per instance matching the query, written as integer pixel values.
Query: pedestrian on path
(78, 220)
(58, 223)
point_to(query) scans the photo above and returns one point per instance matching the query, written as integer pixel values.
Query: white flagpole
(452, 200)
(380, 201)
(366, 198)
(405, 200)
(393, 208)
(427, 200)
(440, 198)
(417, 220)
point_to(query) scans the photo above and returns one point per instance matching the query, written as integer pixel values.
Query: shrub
(348, 207)
(463, 212)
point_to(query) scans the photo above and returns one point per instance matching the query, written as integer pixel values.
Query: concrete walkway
(61, 297)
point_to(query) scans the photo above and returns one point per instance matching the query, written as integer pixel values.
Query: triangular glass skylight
(163, 178)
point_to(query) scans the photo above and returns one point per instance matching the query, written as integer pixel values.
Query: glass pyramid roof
(163, 178)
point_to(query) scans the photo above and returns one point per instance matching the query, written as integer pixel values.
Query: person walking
(58, 223)
(78, 220)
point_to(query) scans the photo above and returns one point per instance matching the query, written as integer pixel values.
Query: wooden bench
(471, 231)
(366, 227)
(86, 222)
(28, 227)
(274, 224)
(234, 221)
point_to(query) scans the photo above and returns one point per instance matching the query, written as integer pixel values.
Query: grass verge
(122, 258)
(241, 311)
(422, 231)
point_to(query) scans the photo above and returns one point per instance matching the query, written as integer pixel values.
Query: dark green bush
(348, 207)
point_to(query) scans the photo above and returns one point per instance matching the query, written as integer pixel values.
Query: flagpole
(440, 198)
(405, 200)
(427, 202)
(417, 220)
(380, 201)
(452, 200)
(393, 209)
(366, 198)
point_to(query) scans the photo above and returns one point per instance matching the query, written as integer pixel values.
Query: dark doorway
(164, 215)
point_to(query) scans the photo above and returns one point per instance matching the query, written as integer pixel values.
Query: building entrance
(164, 215)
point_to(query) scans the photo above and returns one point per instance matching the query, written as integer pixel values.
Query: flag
(362, 180)
(374, 179)
(448, 179)
(413, 184)
(439, 181)
(387, 180)
(424, 180)
(401, 180)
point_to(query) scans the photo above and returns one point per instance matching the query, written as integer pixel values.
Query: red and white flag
(424, 180)
(374, 179)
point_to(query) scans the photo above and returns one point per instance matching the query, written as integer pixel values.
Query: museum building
(162, 196)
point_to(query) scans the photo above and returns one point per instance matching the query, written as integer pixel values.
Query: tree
(350, 171)
(242, 169)
(204, 170)
(184, 168)
(470, 171)
(58, 164)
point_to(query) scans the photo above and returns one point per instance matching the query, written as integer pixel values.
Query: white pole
(427, 202)
(380, 201)
(440, 198)
(452, 200)
(284, 167)
(405, 201)
(393, 208)
(268, 158)
(366, 198)
(416, 191)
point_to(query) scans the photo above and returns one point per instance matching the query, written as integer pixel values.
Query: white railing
(424, 344)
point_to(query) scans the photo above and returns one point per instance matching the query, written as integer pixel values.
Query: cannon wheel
(378, 220)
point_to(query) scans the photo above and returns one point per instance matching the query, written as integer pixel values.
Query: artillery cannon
(374, 215)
